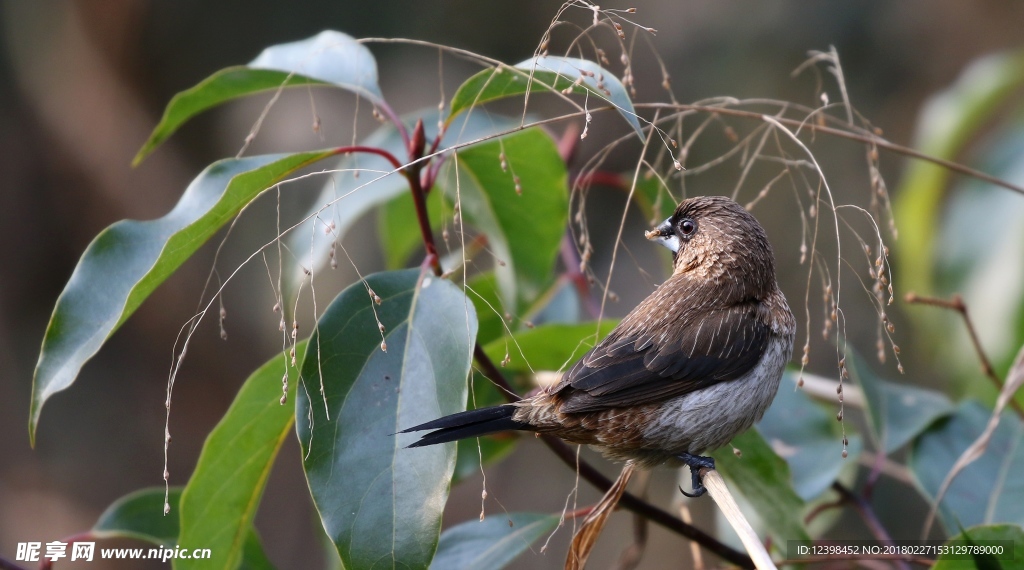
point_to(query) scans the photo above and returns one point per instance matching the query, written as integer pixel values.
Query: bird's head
(712, 237)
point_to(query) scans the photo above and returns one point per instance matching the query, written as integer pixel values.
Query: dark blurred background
(82, 83)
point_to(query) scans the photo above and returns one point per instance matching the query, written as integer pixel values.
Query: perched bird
(693, 365)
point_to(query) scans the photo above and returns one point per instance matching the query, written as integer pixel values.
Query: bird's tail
(471, 423)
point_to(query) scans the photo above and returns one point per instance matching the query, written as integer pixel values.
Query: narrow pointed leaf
(399, 230)
(523, 230)
(550, 73)
(379, 502)
(328, 58)
(548, 347)
(140, 516)
(224, 492)
(989, 490)
(491, 543)
(762, 477)
(129, 259)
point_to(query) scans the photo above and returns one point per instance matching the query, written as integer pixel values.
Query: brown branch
(867, 513)
(595, 478)
(419, 196)
(956, 304)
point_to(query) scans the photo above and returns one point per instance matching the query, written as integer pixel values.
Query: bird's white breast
(710, 417)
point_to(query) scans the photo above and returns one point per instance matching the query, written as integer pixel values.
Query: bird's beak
(664, 235)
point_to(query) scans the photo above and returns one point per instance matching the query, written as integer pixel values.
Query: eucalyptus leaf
(522, 206)
(548, 347)
(379, 501)
(897, 412)
(482, 289)
(399, 231)
(224, 492)
(328, 58)
(128, 260)
(140, 516)
(547, 73)
(491, 543)
(763, 479)
(988, 490)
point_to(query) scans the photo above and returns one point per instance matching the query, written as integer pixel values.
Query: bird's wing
(685, 336)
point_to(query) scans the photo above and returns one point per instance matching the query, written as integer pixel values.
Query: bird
(693, 365)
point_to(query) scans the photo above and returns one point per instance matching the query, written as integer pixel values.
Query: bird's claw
(696, 463)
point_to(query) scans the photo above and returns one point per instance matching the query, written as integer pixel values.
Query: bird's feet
(696, 462)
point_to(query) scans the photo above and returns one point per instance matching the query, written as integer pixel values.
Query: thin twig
(956, 304)
(867, 513)
(860, 137)
(720, 493)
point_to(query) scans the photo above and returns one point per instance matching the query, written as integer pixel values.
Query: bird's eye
(688, 227)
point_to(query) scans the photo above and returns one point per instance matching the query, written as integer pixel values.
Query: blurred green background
(82, 83)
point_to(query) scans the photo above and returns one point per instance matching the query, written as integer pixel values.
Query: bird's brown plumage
(694, 364)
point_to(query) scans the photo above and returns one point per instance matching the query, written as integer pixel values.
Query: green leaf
(980, 536)
(548, 347)
(129, 259)
(224, 492)
(898, 412)
(988, 490)
(762, 477)
(808, 438)
(140, 516)
(550, 73)
(399, 229)
(491, 543)
(524, 231)
(482, 289)
(377, 500)
(328, 58)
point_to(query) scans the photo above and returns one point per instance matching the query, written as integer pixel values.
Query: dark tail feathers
(471, 423)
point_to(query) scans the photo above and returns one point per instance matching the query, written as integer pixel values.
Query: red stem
(601, 178)
(371, 150)
(419, 196)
